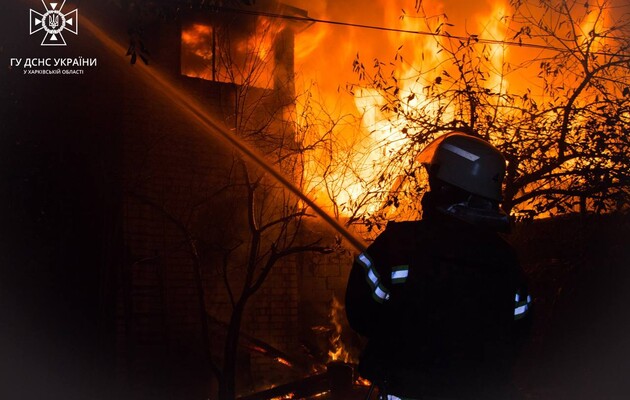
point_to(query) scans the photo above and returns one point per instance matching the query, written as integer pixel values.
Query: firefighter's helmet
(466, 162)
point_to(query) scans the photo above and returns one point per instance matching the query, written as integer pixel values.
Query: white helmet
(466, 162)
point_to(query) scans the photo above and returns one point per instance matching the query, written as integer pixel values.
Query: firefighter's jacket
(444, 306)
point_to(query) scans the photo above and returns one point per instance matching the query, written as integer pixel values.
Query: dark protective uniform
(443, 304)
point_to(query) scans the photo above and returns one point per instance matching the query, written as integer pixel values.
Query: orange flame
(362, 382)
(217, 54)
(343, 174)
(283, 361)
(360, 138)
(338, 351)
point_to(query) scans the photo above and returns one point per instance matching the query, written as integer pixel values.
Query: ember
(283, 361)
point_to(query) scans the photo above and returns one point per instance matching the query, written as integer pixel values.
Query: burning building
(125, 217)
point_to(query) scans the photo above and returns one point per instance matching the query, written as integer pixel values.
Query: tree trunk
(227, 385)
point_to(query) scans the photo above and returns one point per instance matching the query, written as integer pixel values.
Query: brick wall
(168, 164)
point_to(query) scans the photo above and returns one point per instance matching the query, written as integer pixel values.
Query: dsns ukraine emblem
(54, 22)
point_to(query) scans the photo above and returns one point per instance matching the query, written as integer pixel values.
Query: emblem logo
(54, 22)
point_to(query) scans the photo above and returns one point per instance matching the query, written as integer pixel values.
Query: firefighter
(442, 300)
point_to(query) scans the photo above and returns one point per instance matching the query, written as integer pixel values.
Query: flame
(338, 351)
(196, 38)
(592, 26)
(496, 29)
(355, 141)
(362, 382)
(342, 173)
(227, 55)
(262, 42)
(197, 51)
(283, 361)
